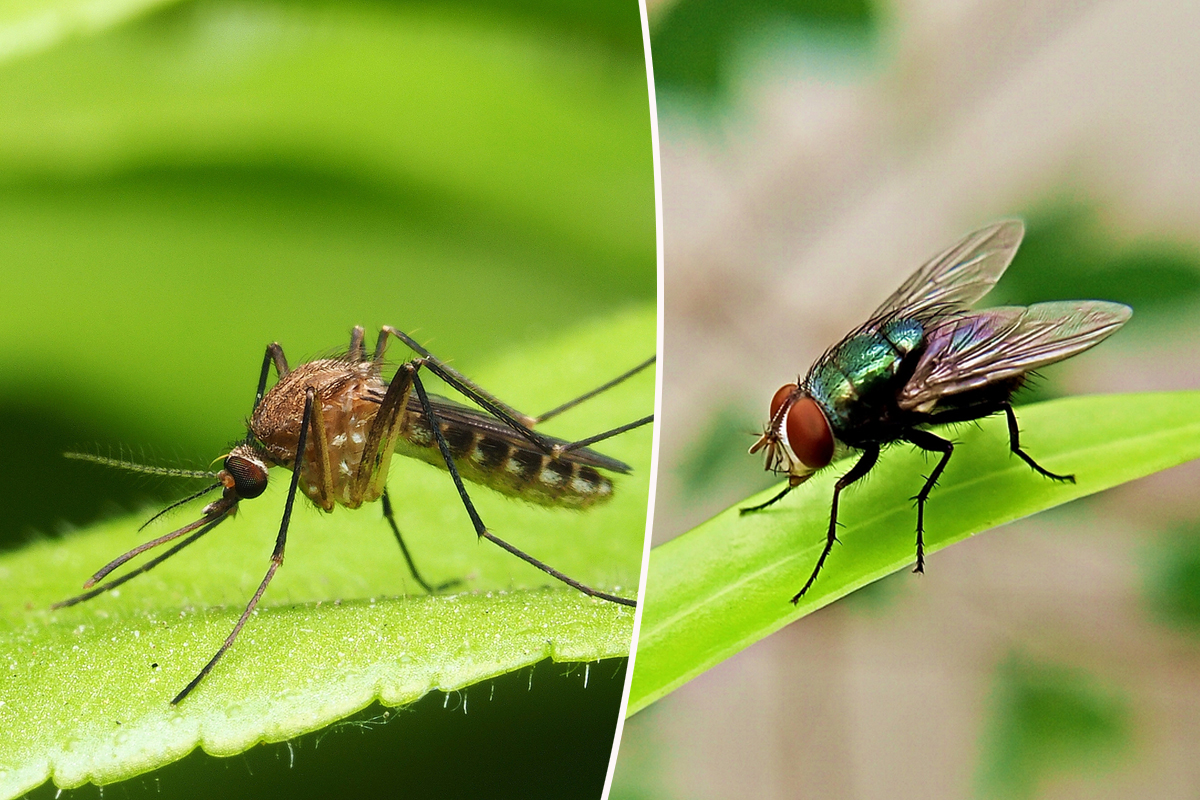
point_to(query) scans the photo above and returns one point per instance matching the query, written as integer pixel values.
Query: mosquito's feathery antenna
(133, 466)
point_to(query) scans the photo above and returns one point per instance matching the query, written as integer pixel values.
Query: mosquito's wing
(458, 414)
(960, 276)
(974, 350)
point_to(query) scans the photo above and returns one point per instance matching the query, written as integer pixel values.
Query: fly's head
(798, 438)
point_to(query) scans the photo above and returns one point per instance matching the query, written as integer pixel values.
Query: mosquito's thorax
(348, 394)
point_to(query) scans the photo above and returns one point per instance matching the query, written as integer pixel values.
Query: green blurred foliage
(1067, 254)
(1050, 721)
(696, 42)
(718, 455)
(1173, 578)
(179, 189)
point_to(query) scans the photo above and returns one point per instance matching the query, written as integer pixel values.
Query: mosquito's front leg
(356, 352)
(311, 407)
(274, 355)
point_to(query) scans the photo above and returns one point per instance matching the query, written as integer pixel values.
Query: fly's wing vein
(974, 350)
(958, 277)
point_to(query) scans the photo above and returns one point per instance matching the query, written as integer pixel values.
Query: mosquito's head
(798, 438)
(244, 475)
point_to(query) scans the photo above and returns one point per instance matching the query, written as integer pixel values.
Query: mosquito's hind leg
(1014, 444)
(412, 565)
(554, 412)
(522, 424)
(480, 529)
(865, 464)
(933, 444)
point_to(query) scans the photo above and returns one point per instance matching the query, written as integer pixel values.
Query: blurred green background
(815, 153)
(182, 183)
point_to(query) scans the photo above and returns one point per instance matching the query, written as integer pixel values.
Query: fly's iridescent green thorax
(862, 372)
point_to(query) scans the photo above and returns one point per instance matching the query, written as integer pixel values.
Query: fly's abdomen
(511, 466)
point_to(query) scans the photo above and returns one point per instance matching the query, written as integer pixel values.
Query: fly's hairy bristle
(146, 469)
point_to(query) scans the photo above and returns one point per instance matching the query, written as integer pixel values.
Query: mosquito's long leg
(310, 399)
(515, 419)
(274, 355)
(381, 438)
(412, 565)
(864, 465)
(554, 412)
(381, 441)
(520, 423)
(770, 502)
(480, 529)
(600, 437)
(321, 445)
(1014, 443)
(149, 565)
(356, 354)
(933, 444)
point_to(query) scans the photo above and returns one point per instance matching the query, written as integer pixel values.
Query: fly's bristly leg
(481, 529)
(771, 502)
(310, 400)
(933, 444)
(412, 565)
(1014, 444)
(865, 464)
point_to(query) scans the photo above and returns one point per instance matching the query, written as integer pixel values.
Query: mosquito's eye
(781, 397)
(809, 434)
(249, 477)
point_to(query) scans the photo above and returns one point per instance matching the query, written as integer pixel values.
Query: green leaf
(84, 691)
(27, 26)
(726, 584)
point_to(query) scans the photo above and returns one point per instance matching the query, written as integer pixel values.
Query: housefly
(335, 423)
(925, 358)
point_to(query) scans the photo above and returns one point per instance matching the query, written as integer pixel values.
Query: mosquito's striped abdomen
(512, 466)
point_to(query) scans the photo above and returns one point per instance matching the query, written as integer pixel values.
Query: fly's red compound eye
(808, 433)
(249, 476)
(781, 397)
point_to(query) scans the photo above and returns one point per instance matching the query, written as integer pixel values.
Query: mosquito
(335, 423)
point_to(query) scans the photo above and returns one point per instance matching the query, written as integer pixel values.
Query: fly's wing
(960, 276)
(458, 414)
(973, 350)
